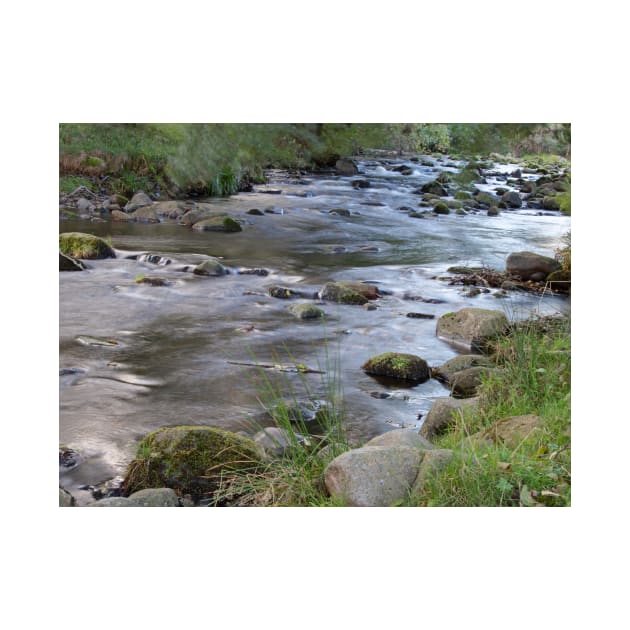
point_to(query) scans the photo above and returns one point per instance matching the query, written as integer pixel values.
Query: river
(170, 360)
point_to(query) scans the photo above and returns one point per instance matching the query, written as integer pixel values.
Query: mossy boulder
(86, 246)
(210, 267)
(398, 365)
(471, 328)
(550, 203)
(306, 311)
(218, 224)
(441, 208)
(189, 459)
(349, 292)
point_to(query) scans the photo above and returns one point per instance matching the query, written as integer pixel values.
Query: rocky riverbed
(161, 325)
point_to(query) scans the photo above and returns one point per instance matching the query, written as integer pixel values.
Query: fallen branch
(281, 367)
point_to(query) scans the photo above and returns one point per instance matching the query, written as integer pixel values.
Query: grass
(533, 378)
(296, 478)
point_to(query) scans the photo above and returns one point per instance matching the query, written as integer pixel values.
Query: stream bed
(136, 357)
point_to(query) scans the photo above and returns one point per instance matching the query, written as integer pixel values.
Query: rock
(432, 463)
(210, 267)
(360, 183)
(139, 200)
(441, 208)
(306, 311)
(511, 431)
(401, 437)
(512, 199)
(118, 200)
(447, 371)
(408, 367)
(342, 212)
(434, 188)
(86, 246)
(493, 211)
(154, 259)
(273, 441)
(464, 384)
(145, 214)
(373, 476)
(283, 293)
(155, 497)
(256, 212)
(69, 264)
(346, 166)
(441, 415)
(152, 281)
(348, 292)
(83, 205)
(550, 203)
(471, 327)
(524, 265)
(118, 215)
(65, 498)
(218, 224)
(420, 315)
(189, 459)
(113, 502)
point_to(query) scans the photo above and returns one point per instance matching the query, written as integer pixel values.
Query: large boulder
(86, 246)
(189, 459)
(398, 365)
(432, 463)
(443, 414)
(139, 200)
(346, 167)
(401, 437)
(373, 476)
(530, 266)
(69, 264)
(470, 328)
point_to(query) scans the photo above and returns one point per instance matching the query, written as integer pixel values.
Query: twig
(281, 367)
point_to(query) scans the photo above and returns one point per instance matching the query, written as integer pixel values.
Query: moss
(88, 246)
(441, 208)
(306, 311)
(398, 365)
(218, 224)
(462, 195)
(188, 459)
(343, 293)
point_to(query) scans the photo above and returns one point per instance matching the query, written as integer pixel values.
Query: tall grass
(533, 377)
(296, 478)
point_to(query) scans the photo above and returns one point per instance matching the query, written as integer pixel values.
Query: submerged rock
(408, 367)
(218, 224)
(349, 292)
(210, 267)
(306, 311)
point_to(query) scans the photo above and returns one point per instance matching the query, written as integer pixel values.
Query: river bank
(173, 342)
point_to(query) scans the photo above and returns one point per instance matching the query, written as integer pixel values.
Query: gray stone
(306, 311)
(139, 200)
(401, 437)
(83, 205)
(155, 497)
(210, 267)
(113, 502)
(446, 371)
(145, 214)
(464, 384)
(373, 476)
(65, 498)
(471, 327)
(525, 265)
(441, 416)
(512, 199)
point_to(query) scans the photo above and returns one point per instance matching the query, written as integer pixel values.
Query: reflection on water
(169, 360)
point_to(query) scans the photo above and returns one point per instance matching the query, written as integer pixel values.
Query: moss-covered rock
(407, 367)
(441, 208)
(218, 224)
(306, 311)
(550, 203)
(189, 459)
(86, 246)
(493, 211)
(435, 188)
(349, 292)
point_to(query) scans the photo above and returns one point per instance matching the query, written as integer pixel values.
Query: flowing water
(169, 358)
